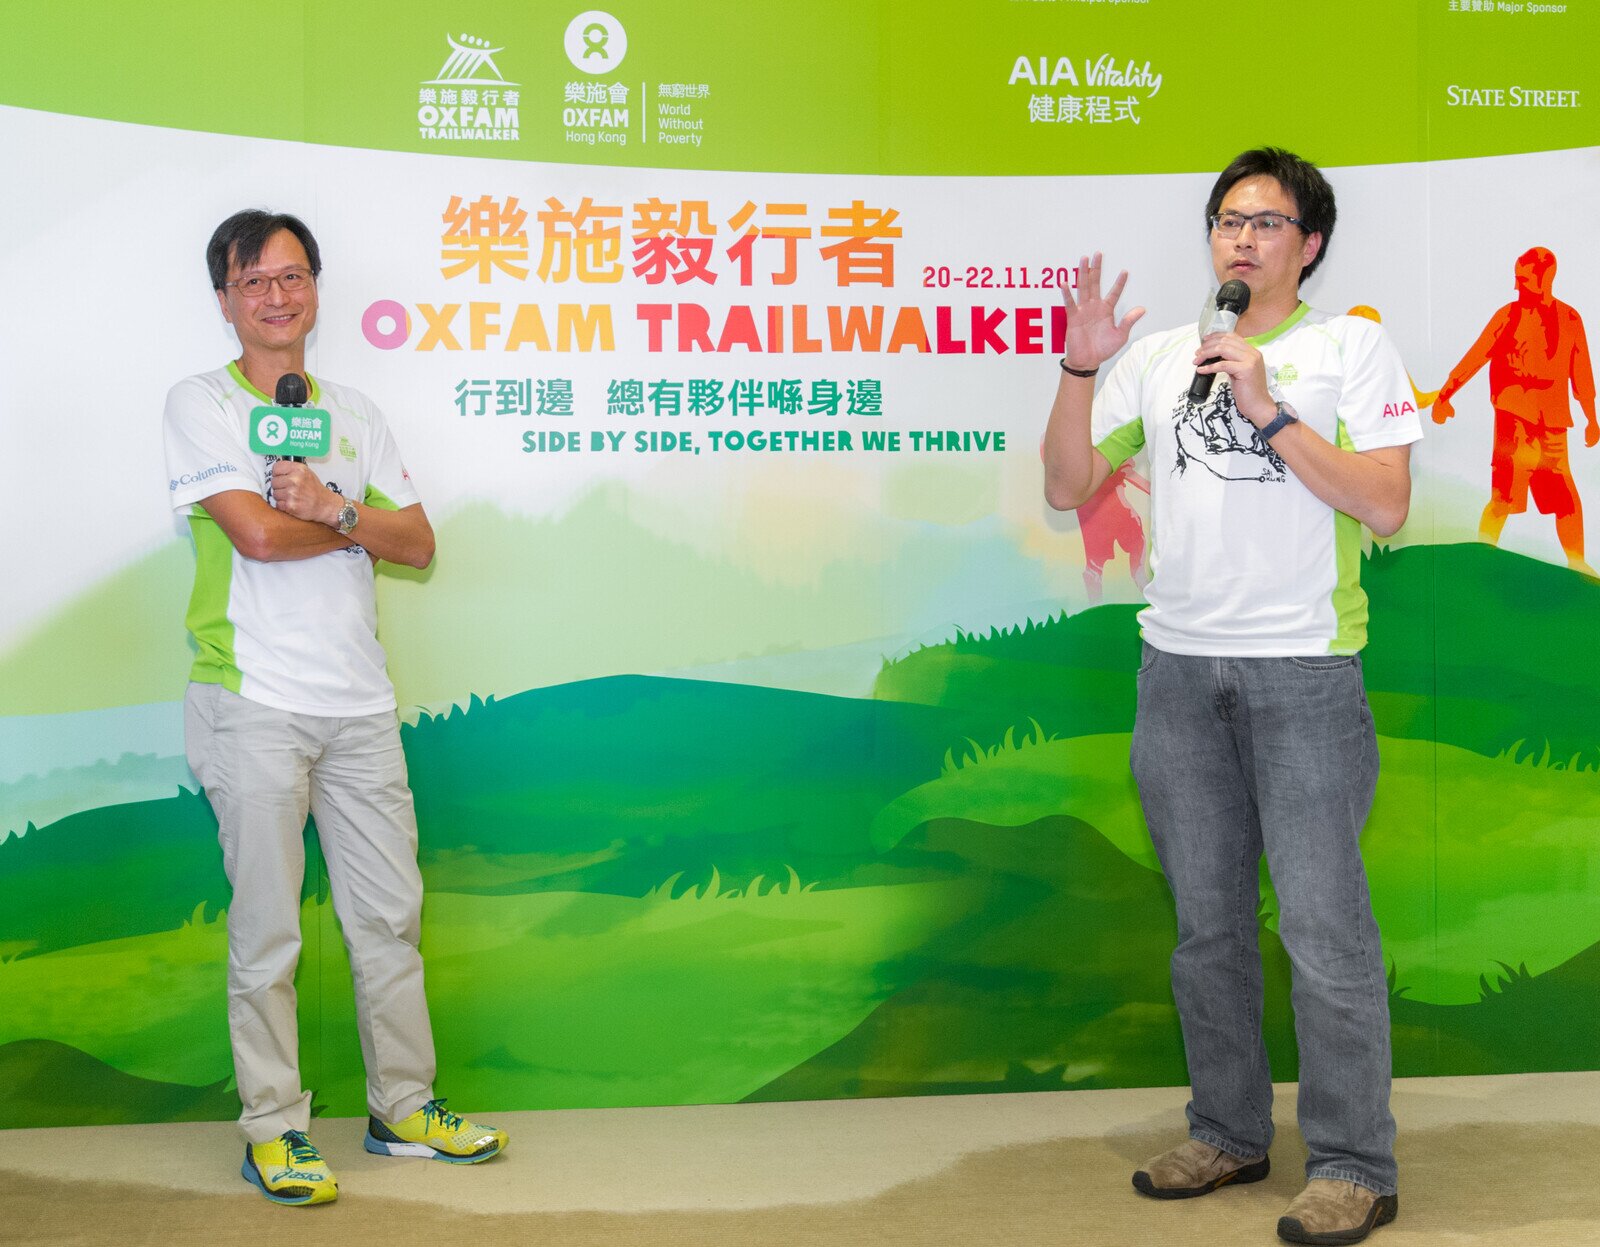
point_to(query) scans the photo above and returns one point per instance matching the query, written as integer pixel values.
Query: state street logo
(469, 99)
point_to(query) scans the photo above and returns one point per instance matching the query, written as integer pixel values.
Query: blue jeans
(1233, 757)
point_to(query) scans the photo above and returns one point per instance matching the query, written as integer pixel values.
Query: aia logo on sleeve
(1392, 410)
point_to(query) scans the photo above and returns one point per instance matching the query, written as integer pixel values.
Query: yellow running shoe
(432, 1132)
(289, 1170)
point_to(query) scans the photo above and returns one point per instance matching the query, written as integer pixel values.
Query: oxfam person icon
(274, 432)
(595, 41)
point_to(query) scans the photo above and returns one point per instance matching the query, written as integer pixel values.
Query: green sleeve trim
(207, 616)
(1282, 327)
(1349, 598)
(1123, 443)
(379, 500)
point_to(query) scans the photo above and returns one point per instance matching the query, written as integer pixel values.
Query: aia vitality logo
(469, 99)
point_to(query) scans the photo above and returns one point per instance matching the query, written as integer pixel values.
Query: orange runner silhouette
(1536, 351)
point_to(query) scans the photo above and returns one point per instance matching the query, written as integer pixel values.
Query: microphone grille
(291, 390)
(1234, 295)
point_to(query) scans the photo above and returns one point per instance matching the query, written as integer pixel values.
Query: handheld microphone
(288, 429)
(1231, 302)
(291, 392)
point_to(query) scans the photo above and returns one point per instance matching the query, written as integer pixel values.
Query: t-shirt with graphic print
(1245, 561)
(298, 635)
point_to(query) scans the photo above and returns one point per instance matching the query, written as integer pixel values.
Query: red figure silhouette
(1536, 350)
(1108, 520)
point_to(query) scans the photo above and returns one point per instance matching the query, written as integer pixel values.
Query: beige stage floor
(1508, 1160)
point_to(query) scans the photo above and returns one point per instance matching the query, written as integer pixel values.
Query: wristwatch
(1279, 422)
(348, 515)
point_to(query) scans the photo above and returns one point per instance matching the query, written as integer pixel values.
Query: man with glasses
(290, 709)
(1252, 732)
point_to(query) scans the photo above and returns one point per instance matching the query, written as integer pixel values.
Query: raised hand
(1094, 334)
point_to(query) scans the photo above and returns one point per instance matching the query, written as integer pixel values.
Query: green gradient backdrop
(826, 847)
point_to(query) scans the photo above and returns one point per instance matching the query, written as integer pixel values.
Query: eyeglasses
(1229, 224)
(290, 281)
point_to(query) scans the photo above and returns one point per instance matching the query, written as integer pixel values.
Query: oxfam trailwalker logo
(469, 98)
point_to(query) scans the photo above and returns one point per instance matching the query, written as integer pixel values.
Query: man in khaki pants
(290, 710)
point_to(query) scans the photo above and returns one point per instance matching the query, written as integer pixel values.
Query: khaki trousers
(263, 769)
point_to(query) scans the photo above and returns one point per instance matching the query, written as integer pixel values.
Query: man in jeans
(1252, 732)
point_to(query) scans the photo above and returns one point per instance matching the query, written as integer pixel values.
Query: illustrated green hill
(58, 793)
(1468, 645)
(1077, 977)
(601, 786)
(53, 1084)
(105, 874)
(637, 778)
(645, 890)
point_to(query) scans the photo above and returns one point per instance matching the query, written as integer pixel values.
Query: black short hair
(1313, 197)
(243, 236)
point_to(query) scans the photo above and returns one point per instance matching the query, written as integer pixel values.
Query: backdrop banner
(768, 732)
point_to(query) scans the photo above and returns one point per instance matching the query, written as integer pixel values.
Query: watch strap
(348, 515)
(1278, 423)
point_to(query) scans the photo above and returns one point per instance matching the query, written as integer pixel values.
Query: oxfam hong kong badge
(297, 432)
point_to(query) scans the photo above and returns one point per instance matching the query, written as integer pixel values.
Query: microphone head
(291, 390)
(1235, 296)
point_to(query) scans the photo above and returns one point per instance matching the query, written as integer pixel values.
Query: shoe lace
(301, 1150)
(434, 1111)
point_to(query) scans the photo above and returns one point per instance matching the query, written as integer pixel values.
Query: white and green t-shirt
(299, 635)
(1245, 560)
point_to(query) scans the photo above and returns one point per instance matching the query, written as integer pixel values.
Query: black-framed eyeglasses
(290, 281)
(1229, 224)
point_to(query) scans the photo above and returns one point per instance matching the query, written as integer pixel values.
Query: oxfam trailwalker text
(712, 284)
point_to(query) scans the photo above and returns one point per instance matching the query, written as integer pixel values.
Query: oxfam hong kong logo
(595, 42)
(1286, 375)
(273, 431)
(347, 448)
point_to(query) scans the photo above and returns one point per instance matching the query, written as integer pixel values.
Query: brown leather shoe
(1195, 1168)
(1335, 1212)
